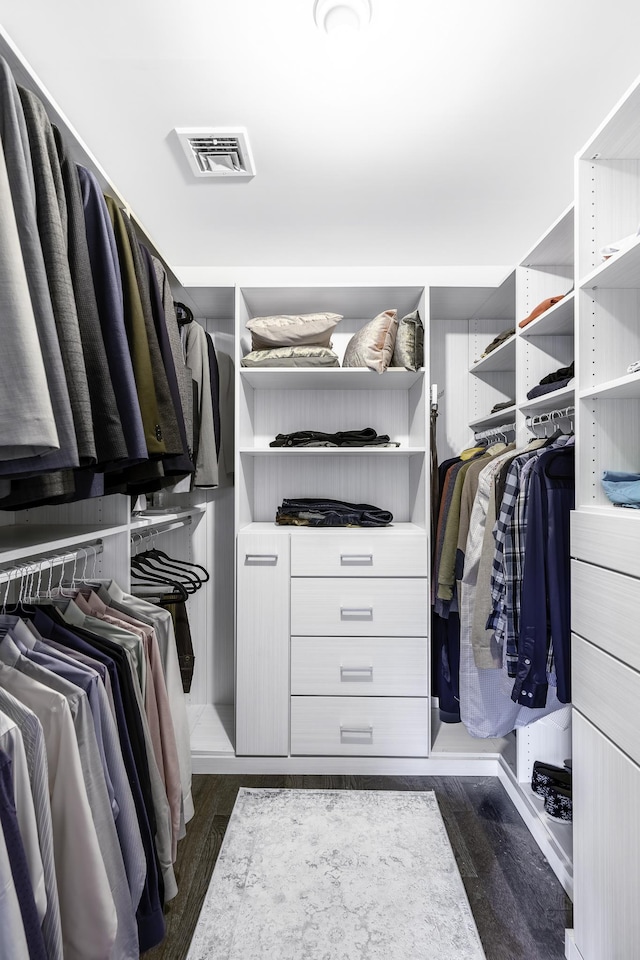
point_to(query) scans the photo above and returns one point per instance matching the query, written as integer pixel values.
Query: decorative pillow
(306, 356)
(409, 349)
(293, 331)
(372, 346)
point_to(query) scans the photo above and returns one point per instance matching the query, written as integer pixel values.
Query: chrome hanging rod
(494, 431)
(138, 537)
(566, 413)
(49, 560)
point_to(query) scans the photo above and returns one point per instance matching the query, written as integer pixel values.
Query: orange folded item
(549, 302)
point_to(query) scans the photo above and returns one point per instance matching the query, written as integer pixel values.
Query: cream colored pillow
(372, 346)
(409, 348)
(306, 356)
(293, 331)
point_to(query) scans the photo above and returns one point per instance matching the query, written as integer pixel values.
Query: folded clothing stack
(541, 308)
(496, 342)
(320, 512)
(623, 489)
(560, 378)
(554, 784)
(343, 438)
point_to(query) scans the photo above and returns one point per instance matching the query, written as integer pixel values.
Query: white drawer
(606, 843)
(607, 692)
(355, 553)
(609, 541)
(360, 726)
(341, 607)
(605, 608)
(359, 666)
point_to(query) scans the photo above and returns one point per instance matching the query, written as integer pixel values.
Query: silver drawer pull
(356, 734)
(356, 613)
(268, 559)
(356, 674)
(356, 559)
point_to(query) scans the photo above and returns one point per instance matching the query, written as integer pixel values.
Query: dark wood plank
(520, 909)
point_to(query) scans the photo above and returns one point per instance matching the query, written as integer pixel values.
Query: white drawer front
(606, 843)
(359, 666)
(607, 693)
(609, 541)
(358, 607)
(605, 608)
(359, 554)
(360, 726)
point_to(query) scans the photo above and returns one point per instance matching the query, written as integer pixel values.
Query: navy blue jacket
(545, 613)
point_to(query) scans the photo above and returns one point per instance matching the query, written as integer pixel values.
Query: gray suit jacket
(15, 145)
(107, 427)
(27, 428)
(52, 226)
(197, 354)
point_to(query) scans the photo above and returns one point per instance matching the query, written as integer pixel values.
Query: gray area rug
(335, 875)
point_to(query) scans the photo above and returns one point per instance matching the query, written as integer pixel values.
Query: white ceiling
(444, 134)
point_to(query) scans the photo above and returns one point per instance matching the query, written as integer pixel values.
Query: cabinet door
(606, 828)
(262, 645)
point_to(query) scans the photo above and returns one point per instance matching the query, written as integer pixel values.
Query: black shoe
(558, 804)
(546, 776)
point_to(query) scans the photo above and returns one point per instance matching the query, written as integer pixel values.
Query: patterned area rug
(335, 875)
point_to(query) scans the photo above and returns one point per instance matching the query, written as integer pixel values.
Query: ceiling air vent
(217, 151)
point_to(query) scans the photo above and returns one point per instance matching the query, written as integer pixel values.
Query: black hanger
(187, 565)
(145, 565)
(183, 314)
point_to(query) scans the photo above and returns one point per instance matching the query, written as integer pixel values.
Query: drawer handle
(268, 559)
(356, 674)
(356, 559)
(356, 613)
(356, 734)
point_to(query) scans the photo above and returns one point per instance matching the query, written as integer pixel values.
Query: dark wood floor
(519, 907)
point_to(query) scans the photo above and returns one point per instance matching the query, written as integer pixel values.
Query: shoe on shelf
(558, 804)
(546, 775)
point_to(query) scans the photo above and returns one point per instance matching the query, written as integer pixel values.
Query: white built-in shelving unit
(605, 545)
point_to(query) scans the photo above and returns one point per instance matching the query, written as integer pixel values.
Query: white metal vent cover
(217, 151)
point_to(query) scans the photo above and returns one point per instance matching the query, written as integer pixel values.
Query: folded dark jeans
(331, 513)
(343, 438)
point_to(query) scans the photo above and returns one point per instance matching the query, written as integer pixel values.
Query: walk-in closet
(319, 471)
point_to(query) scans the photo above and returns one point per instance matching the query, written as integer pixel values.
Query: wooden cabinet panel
(606, 825)
(360, 726)
(359, 607)
(262, 655)
(359, 666)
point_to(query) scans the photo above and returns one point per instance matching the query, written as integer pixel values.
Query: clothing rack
(139, 537)
(29, 567)
(548, 416)
(494, 431)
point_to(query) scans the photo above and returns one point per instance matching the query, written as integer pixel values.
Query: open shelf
(211, 726)
(410, 529)
(623, 388)
(550, 401)
(332, 451)
(341, 378)
(622, 270)
(501, 416)
(502, 358)
(556, 321)
(29, 540)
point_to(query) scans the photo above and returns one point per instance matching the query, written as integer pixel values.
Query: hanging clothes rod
(565, 413)
(494, 431)
(49, 561)
(138, 537)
